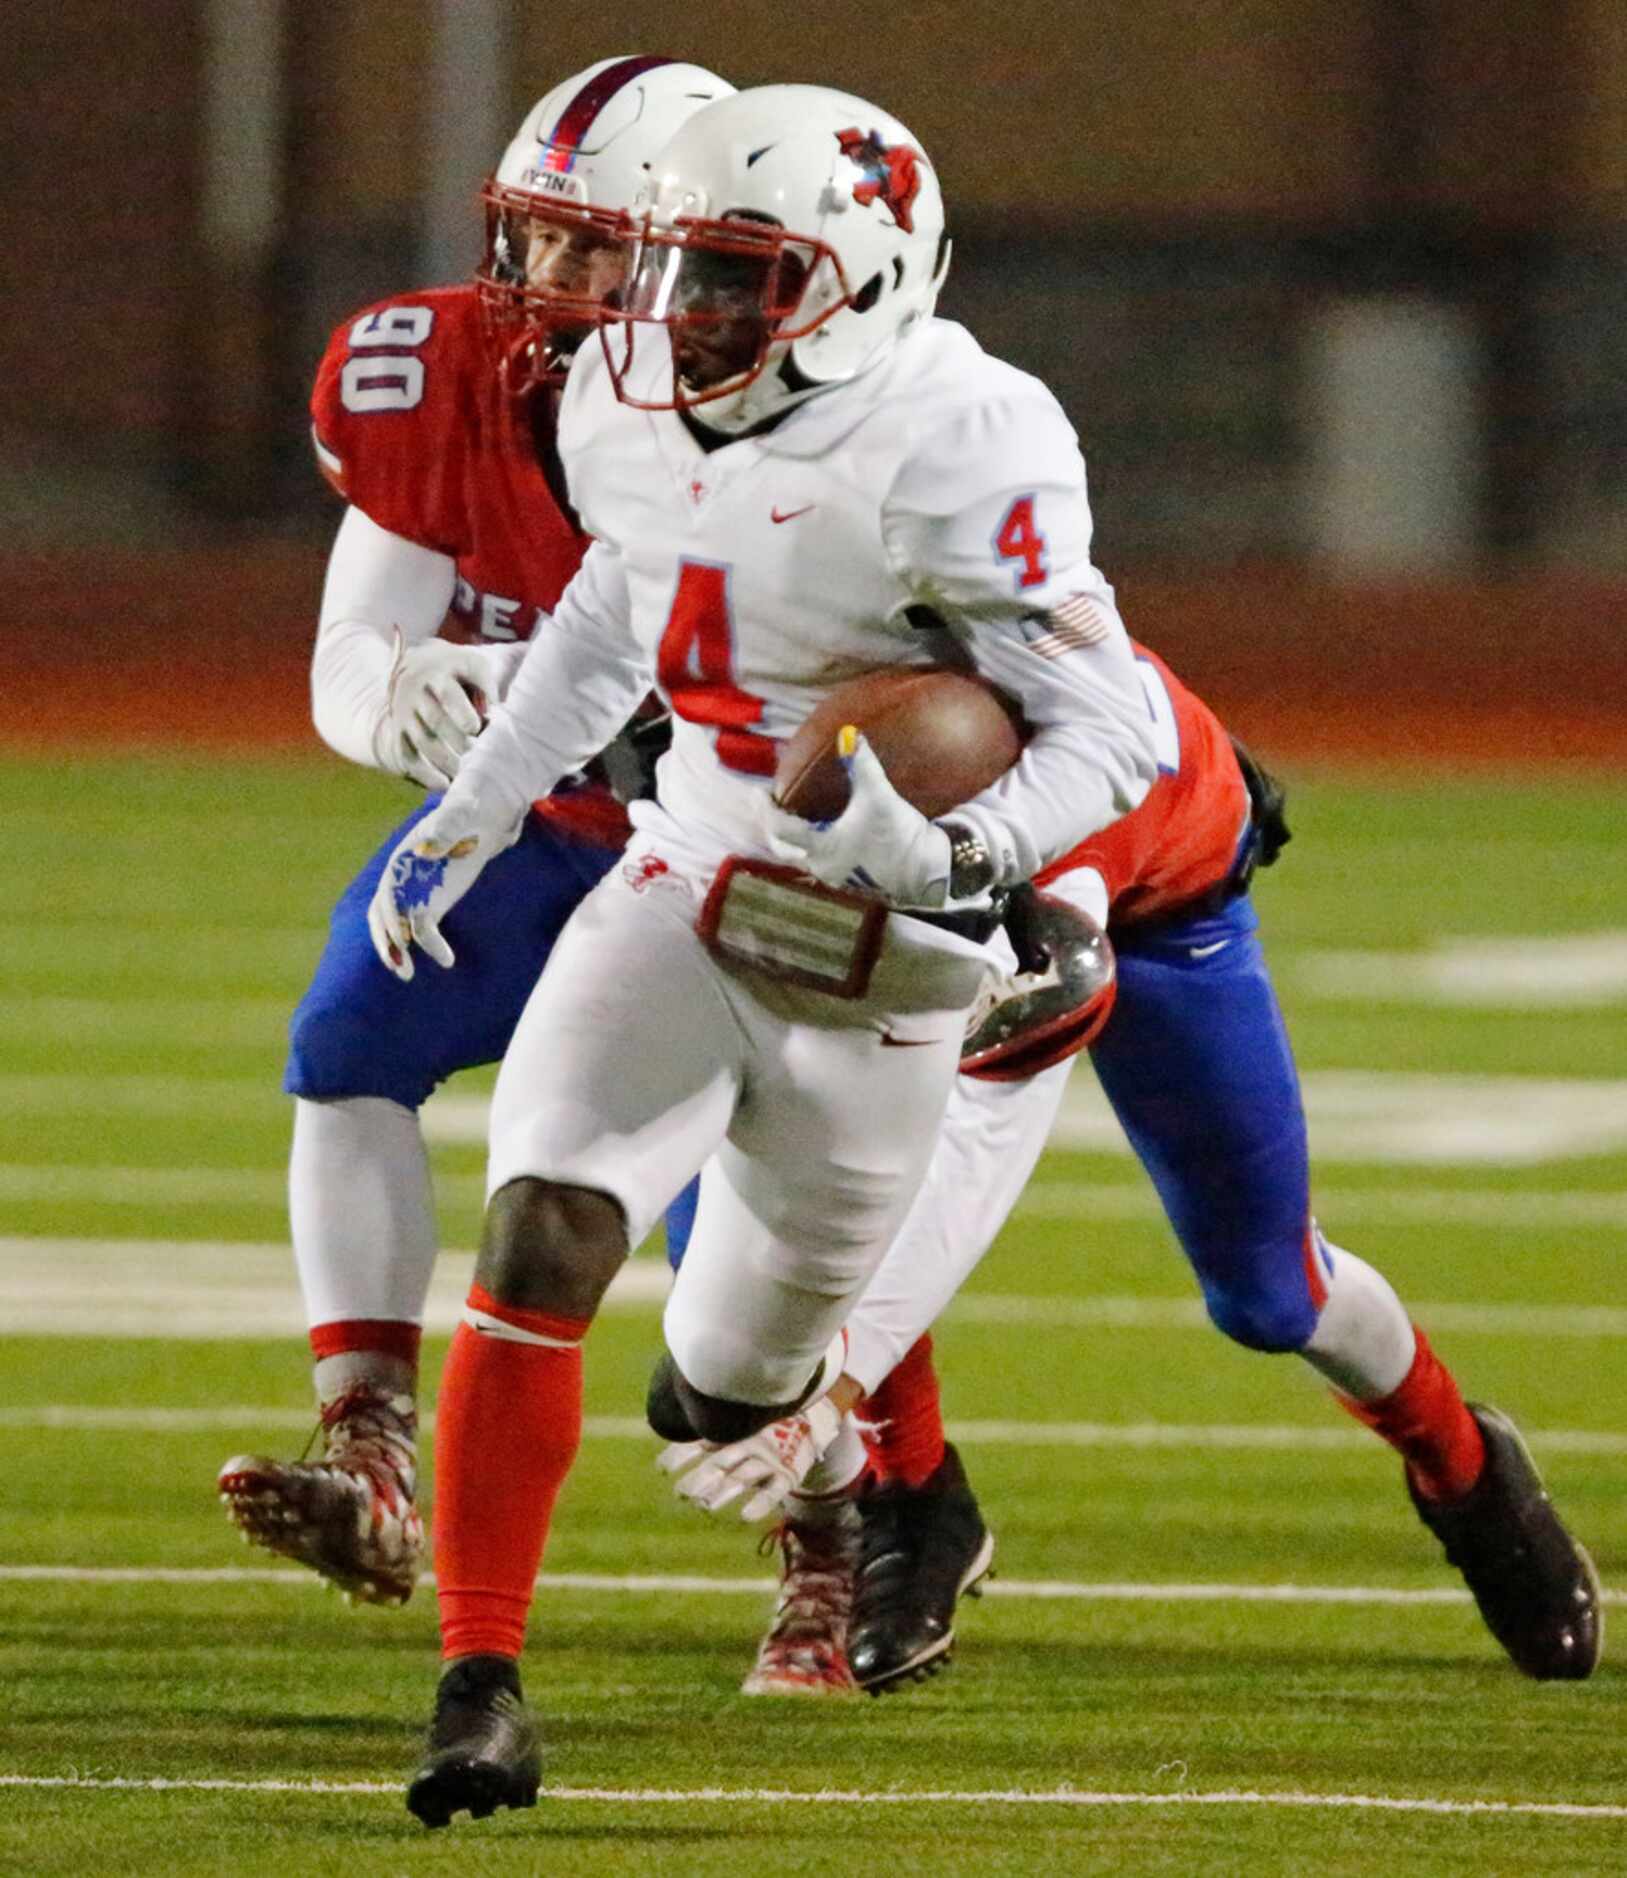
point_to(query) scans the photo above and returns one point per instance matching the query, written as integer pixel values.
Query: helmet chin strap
(774, 393)
(776, 390)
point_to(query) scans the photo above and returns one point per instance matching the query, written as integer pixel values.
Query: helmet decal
(576, 120)
(890, 173)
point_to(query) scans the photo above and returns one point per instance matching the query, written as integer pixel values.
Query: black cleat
(920, 1549)
(483, 1746)
(1536, 1588)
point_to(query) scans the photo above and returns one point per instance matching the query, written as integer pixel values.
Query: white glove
(879, 840)
(430, 721)
(769, 1465)
(431, 869)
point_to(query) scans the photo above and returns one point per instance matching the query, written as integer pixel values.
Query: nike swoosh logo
(1203, 952)
(890, 1042)
(790, 515)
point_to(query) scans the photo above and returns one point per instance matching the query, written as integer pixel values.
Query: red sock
(347, 1336)
(507, 1427)
(1426, 1422)
(904, 1420)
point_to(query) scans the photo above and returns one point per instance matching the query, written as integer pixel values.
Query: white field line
(1489, 1208)
(836, 1796)
(1404, 1118)
(1223, 1436)
(134, 1189)
(1401, 1117)
(210, 1289)
(679, 1584)
(1535, 972)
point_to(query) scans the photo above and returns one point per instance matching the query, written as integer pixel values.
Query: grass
(161, 918)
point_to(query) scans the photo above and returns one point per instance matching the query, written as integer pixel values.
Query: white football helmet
(562, 192)
(792, 236)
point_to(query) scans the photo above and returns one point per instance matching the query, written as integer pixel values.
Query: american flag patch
(1078, 622)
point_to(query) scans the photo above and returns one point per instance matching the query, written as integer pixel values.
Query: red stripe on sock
(539, 1323)
(904, 1420)
(1316, 1278)
(507, 1427)
(347, 1335)
(1426, 1422)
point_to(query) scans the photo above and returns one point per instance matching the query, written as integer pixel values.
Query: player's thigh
(1196, 1063)
(359, 1031)
(799, 1206)
(623, 1069)
(834, 1134)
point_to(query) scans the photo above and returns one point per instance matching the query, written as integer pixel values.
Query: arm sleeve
(582, 676)
(989, 525)
(376, 582)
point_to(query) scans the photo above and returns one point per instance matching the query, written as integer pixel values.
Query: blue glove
(429, 872)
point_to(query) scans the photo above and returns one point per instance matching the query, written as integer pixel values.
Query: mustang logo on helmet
(890, 173)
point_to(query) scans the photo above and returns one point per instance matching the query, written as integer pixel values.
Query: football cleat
(921, 1549)
(1537, 1589)
(484, 1751)
(351, 1516)
(804, 1650)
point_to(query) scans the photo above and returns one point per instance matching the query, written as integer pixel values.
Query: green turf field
(1217, 1625)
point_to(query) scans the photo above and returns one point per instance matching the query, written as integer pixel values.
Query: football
(942, 737)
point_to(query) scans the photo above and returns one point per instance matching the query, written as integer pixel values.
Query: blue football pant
(359, 1031)
(1196, 1063)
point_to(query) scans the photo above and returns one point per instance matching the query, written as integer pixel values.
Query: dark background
(1335, 292)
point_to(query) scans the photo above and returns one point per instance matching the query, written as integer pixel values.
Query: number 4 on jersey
(1018, 539)
(695, 667)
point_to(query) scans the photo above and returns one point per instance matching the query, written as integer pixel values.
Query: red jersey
(1183, 838)
(411, 425)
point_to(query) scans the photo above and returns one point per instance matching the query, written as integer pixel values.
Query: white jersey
(942, 492)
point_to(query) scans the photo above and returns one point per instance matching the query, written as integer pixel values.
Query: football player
(1189, 1046)
(435, 418)
(793, 474)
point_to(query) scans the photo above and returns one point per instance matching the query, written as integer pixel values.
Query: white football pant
(640, 1057)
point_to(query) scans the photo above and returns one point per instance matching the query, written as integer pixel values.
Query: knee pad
(663, 1409)
(333, 1054)
(1275, 1320)
(341, 1045)
(679, 1412)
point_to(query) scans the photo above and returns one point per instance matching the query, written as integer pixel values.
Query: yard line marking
(1137, 1313)
(1046, 1590)
(1556, 971)
(1403, 1117)
(1487, 1208)
(837, 1796)
(239, 1417)
(189, 1289)
(1400, 1117)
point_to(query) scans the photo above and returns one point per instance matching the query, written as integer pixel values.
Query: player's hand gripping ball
(859, 783)
(942, 736)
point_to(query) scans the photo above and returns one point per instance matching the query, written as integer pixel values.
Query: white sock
(361, 1209)
(1363, 1342)
(838, 1467)
(387, 1375)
